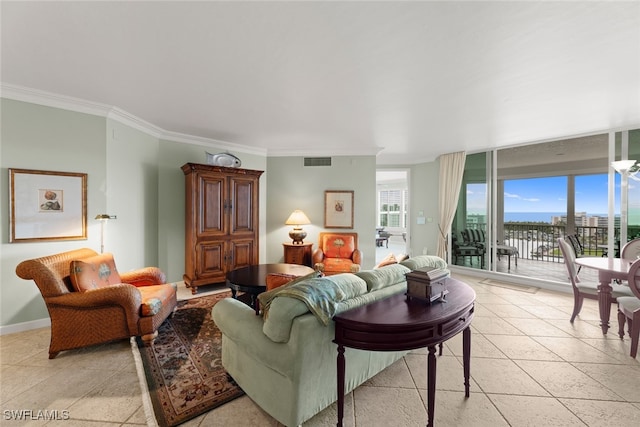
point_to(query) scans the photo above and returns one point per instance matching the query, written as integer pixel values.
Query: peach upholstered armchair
(337, 253)
(89, 302)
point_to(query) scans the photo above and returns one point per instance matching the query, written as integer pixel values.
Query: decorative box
(427, 284)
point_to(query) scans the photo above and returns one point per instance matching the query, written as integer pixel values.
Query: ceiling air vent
(317, 161)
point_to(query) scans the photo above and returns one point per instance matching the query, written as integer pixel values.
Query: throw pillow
(275, 280)
(388, 260)
(402, 257)
(94, 272)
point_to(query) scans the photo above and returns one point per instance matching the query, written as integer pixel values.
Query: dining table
(609, 269)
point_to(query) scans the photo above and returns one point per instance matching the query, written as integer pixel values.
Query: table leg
(255, 303)
(431, 384)
(604, 303)
(341, 365)
(466, 358)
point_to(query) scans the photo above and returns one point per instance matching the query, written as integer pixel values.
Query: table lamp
(297, 218)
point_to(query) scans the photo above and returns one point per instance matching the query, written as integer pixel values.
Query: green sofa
(286, 362)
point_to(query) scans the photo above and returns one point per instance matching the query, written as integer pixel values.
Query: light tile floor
(529, 367)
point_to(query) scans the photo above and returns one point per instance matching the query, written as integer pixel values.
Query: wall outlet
(424, 251)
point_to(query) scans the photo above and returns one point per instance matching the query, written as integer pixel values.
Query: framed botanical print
(46, 205)
(338, 209)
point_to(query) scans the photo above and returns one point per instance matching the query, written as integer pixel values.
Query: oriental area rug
(183, 369)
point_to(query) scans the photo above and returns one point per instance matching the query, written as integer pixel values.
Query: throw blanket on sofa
(321, 295)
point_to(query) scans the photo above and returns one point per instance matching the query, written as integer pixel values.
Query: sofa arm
(147, 276)
(237, 320)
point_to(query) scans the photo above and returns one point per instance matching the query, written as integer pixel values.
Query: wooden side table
(298, 254)
(395, 324)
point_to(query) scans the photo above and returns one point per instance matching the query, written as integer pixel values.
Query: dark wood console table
(395, 324)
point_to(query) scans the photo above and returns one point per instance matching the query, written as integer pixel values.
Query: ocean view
(537, 216)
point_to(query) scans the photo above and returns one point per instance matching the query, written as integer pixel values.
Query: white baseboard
(25, 326)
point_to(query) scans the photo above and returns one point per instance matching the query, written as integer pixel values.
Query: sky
(548, 195)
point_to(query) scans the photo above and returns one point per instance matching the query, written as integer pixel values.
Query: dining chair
(582, 290)
(631, 250)
(629, 309)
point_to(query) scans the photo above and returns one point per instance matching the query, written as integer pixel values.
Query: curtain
(451, 171)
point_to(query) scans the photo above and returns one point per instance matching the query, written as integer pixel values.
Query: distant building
(583, 220)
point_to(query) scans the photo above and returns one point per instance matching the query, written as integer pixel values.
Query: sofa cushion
(154, 298)
(338, 246)
(425, 261)
(94, 272)
(383, 277)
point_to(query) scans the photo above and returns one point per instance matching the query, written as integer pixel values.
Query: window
(392, 208)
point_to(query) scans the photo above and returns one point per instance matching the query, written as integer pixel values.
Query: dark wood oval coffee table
(252, 279)
(395, 324)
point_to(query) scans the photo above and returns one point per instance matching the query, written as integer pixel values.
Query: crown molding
(208, 142)
(329, 152)
(50, 99)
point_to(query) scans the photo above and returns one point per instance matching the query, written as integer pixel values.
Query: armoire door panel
(244, 253)
(244, 199)
(211, 258)
(212, 207)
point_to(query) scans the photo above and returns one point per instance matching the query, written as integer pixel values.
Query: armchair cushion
(344, 265)
(154, 298)
(94, 272)
(338, 246)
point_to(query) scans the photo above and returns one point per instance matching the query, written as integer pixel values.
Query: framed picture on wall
(338, 209)
(46, 205)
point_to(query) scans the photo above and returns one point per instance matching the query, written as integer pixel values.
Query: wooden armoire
(221, 222)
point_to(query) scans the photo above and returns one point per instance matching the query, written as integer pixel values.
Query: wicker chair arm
(357, 257)
(318, 256)
(147, 276)
(123, 294)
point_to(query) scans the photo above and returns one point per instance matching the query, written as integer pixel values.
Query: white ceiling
(404, 80)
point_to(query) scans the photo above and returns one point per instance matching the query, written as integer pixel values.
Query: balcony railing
(539, 241)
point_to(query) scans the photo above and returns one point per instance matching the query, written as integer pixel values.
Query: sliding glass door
(538, 193)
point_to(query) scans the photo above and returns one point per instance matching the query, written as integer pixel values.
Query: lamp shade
(623, 166)
(297, 217)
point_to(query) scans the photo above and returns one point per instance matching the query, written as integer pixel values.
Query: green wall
(135, 174)
(51, 139)
(294, 186)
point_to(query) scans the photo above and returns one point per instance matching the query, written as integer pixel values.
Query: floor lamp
(103, 218)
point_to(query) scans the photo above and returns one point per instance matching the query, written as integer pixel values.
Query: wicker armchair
(80, 319)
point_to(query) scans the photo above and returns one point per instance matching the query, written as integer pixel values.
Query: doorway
(392, 207)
